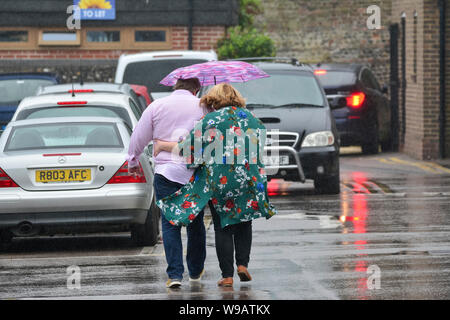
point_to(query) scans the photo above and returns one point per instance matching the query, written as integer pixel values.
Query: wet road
(387, 236)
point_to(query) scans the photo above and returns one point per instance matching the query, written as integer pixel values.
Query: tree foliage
(245, 41)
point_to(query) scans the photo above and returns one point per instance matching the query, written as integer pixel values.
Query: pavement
(386, 236)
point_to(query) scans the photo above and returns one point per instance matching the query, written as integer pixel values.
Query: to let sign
(96, 9)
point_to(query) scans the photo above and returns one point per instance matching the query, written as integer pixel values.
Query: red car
(142, 93)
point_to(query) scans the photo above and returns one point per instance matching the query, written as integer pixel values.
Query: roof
(96, 86)
(29, 75)
(354, 67)
(100, 99)
(276, 66)
(39, 121)
(46, 13)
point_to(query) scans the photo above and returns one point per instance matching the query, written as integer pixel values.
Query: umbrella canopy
(214, 72)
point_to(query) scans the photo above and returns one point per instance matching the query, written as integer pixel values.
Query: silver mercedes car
(70, 175)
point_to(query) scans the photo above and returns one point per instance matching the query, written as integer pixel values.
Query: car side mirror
(337, 103)
(385, 89)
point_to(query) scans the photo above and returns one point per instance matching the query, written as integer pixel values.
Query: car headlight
(318, 139)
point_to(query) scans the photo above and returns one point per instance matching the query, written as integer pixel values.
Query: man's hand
(132, 171)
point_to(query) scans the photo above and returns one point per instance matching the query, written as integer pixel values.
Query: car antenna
(81, 75)
(73, 89)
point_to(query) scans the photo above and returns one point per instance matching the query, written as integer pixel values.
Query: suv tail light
(6, 181)
(122, 176)
(356, 100)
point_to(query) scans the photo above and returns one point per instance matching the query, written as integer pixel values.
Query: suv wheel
(147, 234)
(328, 185)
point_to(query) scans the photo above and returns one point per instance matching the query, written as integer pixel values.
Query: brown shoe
(243, 274)
(225, 282)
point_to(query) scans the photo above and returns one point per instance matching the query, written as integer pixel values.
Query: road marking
(420, 165)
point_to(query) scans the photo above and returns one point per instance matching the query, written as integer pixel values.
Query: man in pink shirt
(170, 119)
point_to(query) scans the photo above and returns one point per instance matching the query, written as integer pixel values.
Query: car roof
(352, 67)
(277, 66)
(27, 122)
(29, 75)
(110, 99)
(96, 86)
(167, 55)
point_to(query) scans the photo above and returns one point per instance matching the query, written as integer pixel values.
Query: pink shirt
(167, 119)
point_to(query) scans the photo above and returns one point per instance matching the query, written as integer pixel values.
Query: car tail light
(81, 91)
(320, 72)
(71, 103)
(6, 181)
(123, 176)
(356, 100)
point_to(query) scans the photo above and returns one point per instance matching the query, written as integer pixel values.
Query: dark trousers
(173, 247)
(232, 238)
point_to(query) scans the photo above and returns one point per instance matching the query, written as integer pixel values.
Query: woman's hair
(221, 96)
(192, 85)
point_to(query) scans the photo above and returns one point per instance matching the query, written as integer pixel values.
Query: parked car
(70, 175)
(95, 87)
(360, 105)
(150, 68)
(293, 107)
(16, 86)
(142, 93)
(86, 104)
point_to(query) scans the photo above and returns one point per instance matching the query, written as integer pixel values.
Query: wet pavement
(386, 236)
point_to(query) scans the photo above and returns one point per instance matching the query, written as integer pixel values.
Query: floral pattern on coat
(238, 191)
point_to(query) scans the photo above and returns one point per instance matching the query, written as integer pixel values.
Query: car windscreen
(334, 79)
(82, 111)
(150, 73)
(282, 89)
(12, 91)
(64, 135)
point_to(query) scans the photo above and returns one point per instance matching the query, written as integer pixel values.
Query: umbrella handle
(215, 80)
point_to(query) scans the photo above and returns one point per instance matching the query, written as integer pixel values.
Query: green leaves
(244, 41)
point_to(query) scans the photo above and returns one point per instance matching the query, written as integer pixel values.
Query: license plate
(276, 161)
(63, 175)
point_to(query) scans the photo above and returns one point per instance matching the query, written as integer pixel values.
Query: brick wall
(421, 138)
(329, 31)
(99, 65)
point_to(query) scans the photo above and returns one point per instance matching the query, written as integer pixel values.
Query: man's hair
(192, 85)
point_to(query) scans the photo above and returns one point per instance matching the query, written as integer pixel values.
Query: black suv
(293, 106)
(360, 106)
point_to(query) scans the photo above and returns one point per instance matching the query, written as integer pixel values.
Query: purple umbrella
(213, 72)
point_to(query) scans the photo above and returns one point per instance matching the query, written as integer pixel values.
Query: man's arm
(141, 137)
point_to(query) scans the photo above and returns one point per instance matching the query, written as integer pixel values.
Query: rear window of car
(282, 89)
(12, 91)
(333, 79)
(88, 111)
(64, 135)
(150, 73)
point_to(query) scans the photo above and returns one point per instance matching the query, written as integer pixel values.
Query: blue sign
(96, 9)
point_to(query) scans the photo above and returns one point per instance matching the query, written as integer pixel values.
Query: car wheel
(328, 185)
(148, 233)
(372, 145)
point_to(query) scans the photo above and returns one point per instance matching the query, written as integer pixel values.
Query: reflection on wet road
(392, 215)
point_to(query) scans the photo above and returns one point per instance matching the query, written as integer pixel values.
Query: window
(59, 38)
(103, 36)
(369, 81)
(137, 112)
(150, 36)
(13, 36)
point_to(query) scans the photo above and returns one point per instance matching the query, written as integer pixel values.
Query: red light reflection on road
(360, 212)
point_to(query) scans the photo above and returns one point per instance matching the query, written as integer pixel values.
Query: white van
(149, 68)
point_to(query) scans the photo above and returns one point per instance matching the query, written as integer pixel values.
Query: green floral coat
(228, 174)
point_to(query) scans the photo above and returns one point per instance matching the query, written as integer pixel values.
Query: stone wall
(329, 31)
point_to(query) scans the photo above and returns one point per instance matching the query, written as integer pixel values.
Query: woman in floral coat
(226, 147)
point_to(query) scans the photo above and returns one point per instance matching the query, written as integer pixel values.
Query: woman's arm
(167, 146)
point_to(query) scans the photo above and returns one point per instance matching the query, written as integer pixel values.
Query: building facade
(34, 35)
